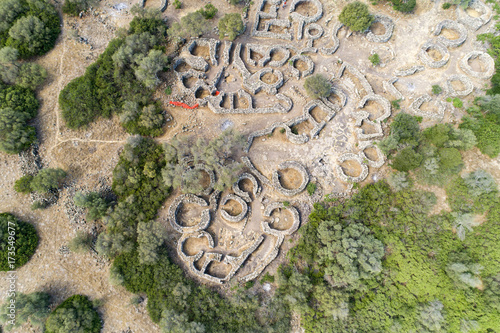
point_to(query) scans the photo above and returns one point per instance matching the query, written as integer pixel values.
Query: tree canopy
(356, 16)
(30, 26)
(76, 314)
(20, 238)
(230, 25)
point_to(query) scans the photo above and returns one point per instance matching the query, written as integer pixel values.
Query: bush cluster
(484, 120)
(44, 181)
(23, 239)
(75, 314)
(434, 154)
(18, 106)
(30, 26)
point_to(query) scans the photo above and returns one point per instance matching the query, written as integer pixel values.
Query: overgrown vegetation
(32, 308)
(18, 105)
(122, 80)
(414, 263)
(75, 7)
(75, 314)
(433, 154)
(44, 181)
(484, 120)
(317, 86)
(18, 242)
(30, 26)
(184, 154)
(193, 24)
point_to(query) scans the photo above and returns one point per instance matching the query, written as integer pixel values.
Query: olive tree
(191, 25)
(317, 86)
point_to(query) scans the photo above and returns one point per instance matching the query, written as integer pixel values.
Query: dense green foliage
(494, 51)
(22, 240)
(404, 6)
(32, 307)
(74, 7)
(484, 121)
(30, 26)
(25, 75)
(96, 204)
(434, 153)
(193, 24)
(356, 16)
(141, 191)
(231, 25)
(374, 59)
(44, 181)
(122, 80)
(76, 314)
(423, 264)
(317, 86)
(209, 11)
(18, 106)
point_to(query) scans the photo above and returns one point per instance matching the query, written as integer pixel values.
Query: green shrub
(457, 103)
(267, 278)
(47, 180)
(125, 72)
(15, 135)
(75, 314)
(311, 188)
(81, 243)
(97, 205)
(16, 236)
(446, 5)
(286, 204)
(177, 4)
(395, 104)
(249, 284)
(374, 59)
(356, 16)
(18, 106)
(404, 6)
(208, 11)
(436, 89)
(23, 184)
(191, 25)
(405, 130)
(406, 160)
(168, 91)
(318, 86)
(485, 124)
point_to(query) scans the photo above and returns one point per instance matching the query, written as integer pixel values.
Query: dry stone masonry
(248, 80)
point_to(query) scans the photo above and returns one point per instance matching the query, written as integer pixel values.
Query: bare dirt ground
(89, 155)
